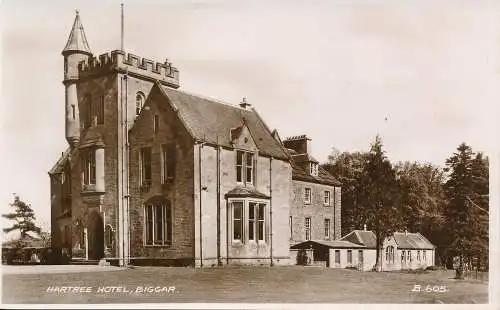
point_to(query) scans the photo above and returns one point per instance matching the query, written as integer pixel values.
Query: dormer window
(139, 103)
(313, 169)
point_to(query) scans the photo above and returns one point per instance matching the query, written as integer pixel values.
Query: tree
(24, 218)
(380, 192)
(348, 168)
(466, 188)
(422, 200)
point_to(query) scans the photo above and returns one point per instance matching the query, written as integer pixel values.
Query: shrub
(302, 257)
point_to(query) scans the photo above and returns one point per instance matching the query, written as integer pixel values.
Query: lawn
(292, 284)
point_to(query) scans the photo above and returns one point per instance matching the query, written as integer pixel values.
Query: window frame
(307, 198)
(327, 196)
(168, 162)
(100, 111)
(143, 181)
(308, 228)
(349, 257)
(140, 99)
(88, 167)
(166, 227)
(257, 222)
(156, 123)
(327, 228)
(337, 257)
(244, 167)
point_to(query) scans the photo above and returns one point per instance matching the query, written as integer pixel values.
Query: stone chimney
(300, 144)
(406, 232)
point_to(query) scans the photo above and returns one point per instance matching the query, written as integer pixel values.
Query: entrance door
(95, 236)
(360, 259)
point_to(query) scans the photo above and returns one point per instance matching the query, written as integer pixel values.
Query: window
(249, 167)
(156, 123)
(73, 111)
(261, 216)
(238, 221)
(290, 223)
(108, 233)
(327, 228)
(145, 166)
(139, 103)
(251, 220)
(256, 221)
(409, 256)
(418, 255)
(308, 228)
(168, 161)
(337, 257)
(424, 256)
(248, 218)
(389, 254)
(87, 102)
(100, 111)
(307, 195)
(88, 167)
(349, 256)
(244, 167)
(158, 224)
(403, 256)
(313, 169)
(327, 198)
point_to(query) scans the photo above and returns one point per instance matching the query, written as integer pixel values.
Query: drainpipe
(219, 262)
(271, 206)
(199, 184)
(127, 180)
(227, 232)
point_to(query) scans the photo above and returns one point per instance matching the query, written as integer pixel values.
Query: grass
(292, 284)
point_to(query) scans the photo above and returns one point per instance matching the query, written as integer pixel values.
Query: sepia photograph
(250, 154)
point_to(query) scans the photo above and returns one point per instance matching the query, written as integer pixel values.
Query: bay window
(248, 221)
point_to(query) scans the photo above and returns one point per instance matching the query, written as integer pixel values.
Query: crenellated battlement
(132, 64)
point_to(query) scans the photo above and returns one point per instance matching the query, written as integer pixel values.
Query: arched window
(109, 235)
(139, 102)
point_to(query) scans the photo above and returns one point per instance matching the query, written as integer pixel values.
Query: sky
(422, 75)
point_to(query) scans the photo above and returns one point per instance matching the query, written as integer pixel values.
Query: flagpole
(122, 32)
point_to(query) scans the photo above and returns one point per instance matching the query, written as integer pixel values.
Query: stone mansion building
(155, 175)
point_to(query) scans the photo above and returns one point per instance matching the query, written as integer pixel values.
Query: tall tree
(422, 200)
(348, 168)
(381, 195)
(465, 189)
(23, 216)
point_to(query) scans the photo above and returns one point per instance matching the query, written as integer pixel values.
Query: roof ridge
(214, 100)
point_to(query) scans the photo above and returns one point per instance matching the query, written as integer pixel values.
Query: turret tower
(76, 50)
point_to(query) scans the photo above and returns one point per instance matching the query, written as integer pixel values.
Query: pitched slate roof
(59, 165)
(363, 237)
(300, 174)
(412, 241)
(211, 121)
(334, 244)
(403, 240)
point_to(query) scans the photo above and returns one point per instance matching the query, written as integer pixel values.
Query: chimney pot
(364, 227)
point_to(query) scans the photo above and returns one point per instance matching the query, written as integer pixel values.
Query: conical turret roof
(77, 41)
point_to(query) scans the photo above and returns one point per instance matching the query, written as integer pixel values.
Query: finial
(77, 12)
(244, 104)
